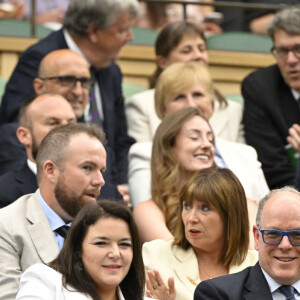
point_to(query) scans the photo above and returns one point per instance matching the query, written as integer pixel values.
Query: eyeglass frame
(283, 234)
(274, 52)
(88, 80)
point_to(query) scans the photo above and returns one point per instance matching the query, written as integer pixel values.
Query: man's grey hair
(287, 20)
(101, 13)
(264, 200)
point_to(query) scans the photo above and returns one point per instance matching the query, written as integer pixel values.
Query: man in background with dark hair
(271, 110)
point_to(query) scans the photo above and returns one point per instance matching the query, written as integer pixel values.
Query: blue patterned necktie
(94, 112)
(287, 291)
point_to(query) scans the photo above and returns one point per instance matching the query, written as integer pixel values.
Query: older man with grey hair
(97, 30)
(272, 113)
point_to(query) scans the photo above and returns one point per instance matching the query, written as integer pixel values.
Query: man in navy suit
(272, 113)
(277, 239)
(96, 30)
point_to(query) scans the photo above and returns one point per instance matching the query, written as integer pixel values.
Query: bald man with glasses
(271, 112)
(277, 240)
(66, 73)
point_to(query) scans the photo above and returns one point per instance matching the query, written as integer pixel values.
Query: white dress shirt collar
(274, 285)
(32, 166)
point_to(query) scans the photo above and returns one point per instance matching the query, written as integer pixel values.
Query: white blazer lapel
(186, 267)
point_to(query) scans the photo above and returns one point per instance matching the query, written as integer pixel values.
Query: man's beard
(70, 202)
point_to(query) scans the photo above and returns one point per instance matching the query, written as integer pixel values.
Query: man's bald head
(54, 75)
(38, 116)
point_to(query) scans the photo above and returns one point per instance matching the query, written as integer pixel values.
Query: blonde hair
(165, 174)
(177, 78)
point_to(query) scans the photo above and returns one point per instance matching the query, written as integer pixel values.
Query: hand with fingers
(157, 289)
(294, 137)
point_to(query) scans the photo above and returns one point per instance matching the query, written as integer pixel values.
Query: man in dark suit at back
(277, 240)
(271, 112)
(96, 30)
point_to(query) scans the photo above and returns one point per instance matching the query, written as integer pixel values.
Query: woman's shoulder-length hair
(220, 189)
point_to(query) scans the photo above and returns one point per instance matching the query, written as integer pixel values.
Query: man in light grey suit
(70, 165)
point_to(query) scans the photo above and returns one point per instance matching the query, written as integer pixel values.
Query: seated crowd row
(194, 189)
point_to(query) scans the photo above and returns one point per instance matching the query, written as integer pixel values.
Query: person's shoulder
(44, 277)
(262, 75)
(141, 148)
(158, 243)
(227, 280)
(41, 269)
(47, 44)
(222, 143)
(156, 249)
(141, 97)
(17, 208)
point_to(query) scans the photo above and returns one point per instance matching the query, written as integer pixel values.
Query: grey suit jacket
(25, 239)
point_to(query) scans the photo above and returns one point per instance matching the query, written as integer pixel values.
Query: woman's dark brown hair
(169, 38)
(69, 262)
(219, 188)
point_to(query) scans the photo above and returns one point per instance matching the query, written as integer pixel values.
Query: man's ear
(24, 136)
(93, 33)
(256, 236)
(162, 62)
(38, 85)
(51, 171)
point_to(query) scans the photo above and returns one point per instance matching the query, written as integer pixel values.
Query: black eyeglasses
(282, 52)
(274, 237)
(70, 81)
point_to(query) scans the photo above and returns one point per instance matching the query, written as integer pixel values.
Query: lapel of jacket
(185, 266)
(26, 180)
(40, 232)
(257, 285)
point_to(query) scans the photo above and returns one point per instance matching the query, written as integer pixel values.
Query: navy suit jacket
(20, 87)
(270, 110)
(12, 152)
(249, 284)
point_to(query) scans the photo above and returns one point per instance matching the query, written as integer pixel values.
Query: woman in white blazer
(100, 259)
(211, 238)
(181, 41)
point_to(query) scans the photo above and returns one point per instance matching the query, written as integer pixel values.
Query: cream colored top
(182, 265)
